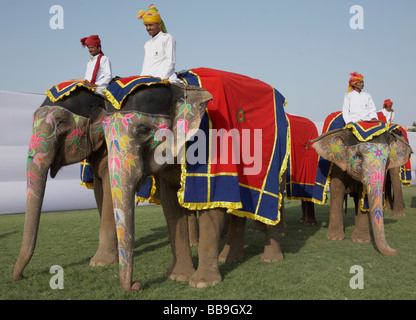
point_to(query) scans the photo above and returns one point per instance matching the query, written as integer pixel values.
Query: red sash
(97, 66)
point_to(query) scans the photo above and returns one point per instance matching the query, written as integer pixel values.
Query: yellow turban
(151, 16)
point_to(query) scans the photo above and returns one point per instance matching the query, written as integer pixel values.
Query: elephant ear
(400, 151)
(189, 104)
(332, 147)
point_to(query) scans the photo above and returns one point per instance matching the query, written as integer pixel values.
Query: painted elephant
(134, 150)
(66, 132)
(360, 165)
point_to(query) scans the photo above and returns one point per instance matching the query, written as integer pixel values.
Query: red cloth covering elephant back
(303, 163)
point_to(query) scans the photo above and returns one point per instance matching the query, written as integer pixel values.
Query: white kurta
(104, 74)
(358, 106)
(160, 57)
(388, 114)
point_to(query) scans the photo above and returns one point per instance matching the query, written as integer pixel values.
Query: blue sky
(303, 48)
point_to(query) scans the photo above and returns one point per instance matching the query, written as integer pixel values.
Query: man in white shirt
(358, 105)
(98, 72)
(388, 111)
(160, 51)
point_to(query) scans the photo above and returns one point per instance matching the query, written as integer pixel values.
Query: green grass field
(313, 268)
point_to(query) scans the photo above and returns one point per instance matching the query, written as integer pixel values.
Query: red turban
(355, 77)
(93, 40)
(387, 103)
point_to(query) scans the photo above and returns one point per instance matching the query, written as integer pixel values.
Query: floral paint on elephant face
(374, 174)
(124, 140)
(335, 149)
(45, 134)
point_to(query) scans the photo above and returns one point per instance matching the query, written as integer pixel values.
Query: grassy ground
(313, 268)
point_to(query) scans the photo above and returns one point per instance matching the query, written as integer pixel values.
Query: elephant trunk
(377, 222)
(36, 184)
(124, 217)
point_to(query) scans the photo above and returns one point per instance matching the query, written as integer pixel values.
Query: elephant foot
(273, 254)
(335, 234)
(228, 255)
(205, 277)
(308, 222)
(180, 274)
(193, 242)
(104, 258)
(398, 213)
(361, 237)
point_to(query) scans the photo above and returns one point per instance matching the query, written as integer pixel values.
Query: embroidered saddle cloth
(59, 91)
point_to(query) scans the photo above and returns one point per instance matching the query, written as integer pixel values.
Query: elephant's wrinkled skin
(66, 132)
(134, 134)
(360, 165)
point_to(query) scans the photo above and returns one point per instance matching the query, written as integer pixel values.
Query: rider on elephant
(160, 51)
(98, 72)
(358, 105)
(98, 75)
(388, 111)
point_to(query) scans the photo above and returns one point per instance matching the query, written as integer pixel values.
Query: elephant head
(153, 123)
(367, 163)
(59, 137)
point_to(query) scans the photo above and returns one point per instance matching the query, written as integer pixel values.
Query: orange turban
(151, 16)
(355, 77)
(387, 103)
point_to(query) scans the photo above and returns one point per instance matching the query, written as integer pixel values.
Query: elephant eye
(143, 130)
(61, 126)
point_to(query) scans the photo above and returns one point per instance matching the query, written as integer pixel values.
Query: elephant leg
(193, 229)
(336, 222)
(210, 224)
(398, 206)
(308, 213)
(272, 251)
(361, 232)
(233, 250)
(107, 246)
(388, 196)
(177, 220)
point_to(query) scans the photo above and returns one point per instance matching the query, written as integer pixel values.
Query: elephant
(358, 165)
(147, 131)
(66, 132)
(130, 133)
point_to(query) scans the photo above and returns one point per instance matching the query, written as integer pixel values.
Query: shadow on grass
(413, 203)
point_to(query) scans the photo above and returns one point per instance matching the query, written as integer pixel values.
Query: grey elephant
(358, 165)
(144, 133)
(66, 132)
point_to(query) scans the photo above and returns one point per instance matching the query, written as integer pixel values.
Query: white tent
(62, 193)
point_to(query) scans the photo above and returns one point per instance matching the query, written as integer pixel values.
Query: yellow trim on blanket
(117, 104)
(328, 180)
(88, 185)
(358, 135)
(76, 85)
(152, 192)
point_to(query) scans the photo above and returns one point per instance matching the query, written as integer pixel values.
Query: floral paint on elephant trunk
(374, 174)
(127, 134)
